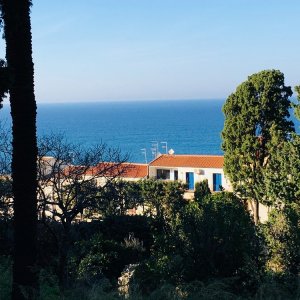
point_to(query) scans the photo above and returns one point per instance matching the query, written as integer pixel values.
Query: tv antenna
(154, 149)
(144, 152)
(165, 146)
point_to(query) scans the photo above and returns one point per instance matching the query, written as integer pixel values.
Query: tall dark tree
(257, 109)
(17, 32)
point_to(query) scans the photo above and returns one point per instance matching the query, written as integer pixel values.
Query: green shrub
(5, 277)
(99, 258)
(282, 236)
(49, 289)
(212, 239)
(202, 190)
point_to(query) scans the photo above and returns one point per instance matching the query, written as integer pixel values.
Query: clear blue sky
(93, 50)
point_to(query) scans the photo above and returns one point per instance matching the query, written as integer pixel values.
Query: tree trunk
(17, 30)
(63, 257)
(256, 212)
(62, 271)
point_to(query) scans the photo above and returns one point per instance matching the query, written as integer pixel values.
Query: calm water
(188, 127)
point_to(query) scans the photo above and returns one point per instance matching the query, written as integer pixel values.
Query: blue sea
(188, 127)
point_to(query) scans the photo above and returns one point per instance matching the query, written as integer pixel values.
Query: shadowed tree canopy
(258, 108)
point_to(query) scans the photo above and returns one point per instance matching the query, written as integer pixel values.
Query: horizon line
(38, 102)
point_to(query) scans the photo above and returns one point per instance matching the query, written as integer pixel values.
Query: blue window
(176, 175)
(217, 182)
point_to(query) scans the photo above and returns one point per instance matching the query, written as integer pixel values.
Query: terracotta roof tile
(135, 171)
(193, 161)
(124, 170)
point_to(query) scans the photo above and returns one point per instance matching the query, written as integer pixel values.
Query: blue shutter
(217, 181)
(190, 180)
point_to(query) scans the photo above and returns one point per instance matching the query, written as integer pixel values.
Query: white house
(191, 169)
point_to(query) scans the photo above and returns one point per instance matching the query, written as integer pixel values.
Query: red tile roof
(192, 161)
(123, 170)
(135, 170)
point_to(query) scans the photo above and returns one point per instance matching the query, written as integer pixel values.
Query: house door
(190, 180)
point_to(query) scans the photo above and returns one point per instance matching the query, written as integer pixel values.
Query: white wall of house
(200, 174)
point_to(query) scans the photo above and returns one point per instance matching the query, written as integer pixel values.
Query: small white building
(191, 169)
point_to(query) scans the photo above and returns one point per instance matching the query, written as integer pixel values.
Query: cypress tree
(257, 110)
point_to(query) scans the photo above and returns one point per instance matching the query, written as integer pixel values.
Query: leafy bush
(6, 237)
(214, 239)
(201, 190)
(49, 289)
(99, 258)
(282, 238)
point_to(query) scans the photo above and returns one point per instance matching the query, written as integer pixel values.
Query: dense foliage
(201, 190)
(254, 113)
(194, 250)
(212, 240)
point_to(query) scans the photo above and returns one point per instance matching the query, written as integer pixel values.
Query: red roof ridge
(135, 164)
(172, 155)
(188, 160)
